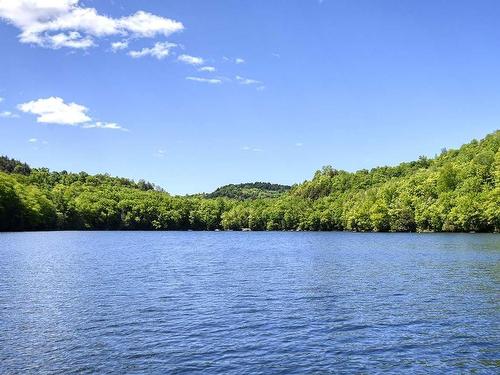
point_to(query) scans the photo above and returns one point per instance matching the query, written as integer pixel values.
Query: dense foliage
(459, 190)
(254, 190)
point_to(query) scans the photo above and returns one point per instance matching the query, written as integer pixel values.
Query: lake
(249, 302)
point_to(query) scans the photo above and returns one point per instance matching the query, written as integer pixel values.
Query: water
(232, 302)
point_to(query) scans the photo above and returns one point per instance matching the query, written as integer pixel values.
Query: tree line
(456, 191)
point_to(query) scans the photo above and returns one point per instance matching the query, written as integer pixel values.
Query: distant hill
(253, 190)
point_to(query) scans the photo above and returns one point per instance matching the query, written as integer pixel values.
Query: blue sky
(297, 85)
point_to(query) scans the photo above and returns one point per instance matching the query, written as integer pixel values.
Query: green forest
(254, 190)
(456, 191)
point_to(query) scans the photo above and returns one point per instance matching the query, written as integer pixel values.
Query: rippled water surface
(233, 302)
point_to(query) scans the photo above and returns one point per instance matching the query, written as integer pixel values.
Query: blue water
(233, 302)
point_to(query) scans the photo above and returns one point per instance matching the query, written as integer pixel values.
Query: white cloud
(8, 114)
(1, 99)
(261, 88)
(205, 80)
(64, 23)
(104, 125)
(143, 24)
(247, 81)
(53, 110)
(237, 60)
(116, 46)
(37, 142)
(72, 39)
(209, 69)
(191, 60)
(299, 144)
(160, 153)
(160, 50)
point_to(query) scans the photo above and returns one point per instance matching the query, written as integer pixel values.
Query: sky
(192, 95)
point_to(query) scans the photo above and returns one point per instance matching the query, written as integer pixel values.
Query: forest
(456, 191)
(254, 190)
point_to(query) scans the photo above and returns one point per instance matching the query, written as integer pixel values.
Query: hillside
(255, 190)
(459, 190)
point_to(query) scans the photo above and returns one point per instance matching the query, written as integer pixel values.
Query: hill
(457, 191)
(254, 190)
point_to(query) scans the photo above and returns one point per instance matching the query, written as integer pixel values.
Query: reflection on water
(233, 302)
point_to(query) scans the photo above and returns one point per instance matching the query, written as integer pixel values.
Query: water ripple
(260, 303)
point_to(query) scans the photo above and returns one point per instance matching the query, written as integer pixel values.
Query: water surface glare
(247, 302)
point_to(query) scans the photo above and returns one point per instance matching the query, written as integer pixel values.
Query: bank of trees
(253, 190)
(459, 190)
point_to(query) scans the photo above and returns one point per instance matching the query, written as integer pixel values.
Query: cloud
(299, 144)
(116, 46)
(1, 99)
(247, 81)
(8, 114)
(37, 143)
(143, 24)
(72, 39)
(209, 69)
(191, 60)
(205, 80)
(64, 23)
(160, 153)
(237, 60)
(160, 50)
(54, 110)
(104, 125)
